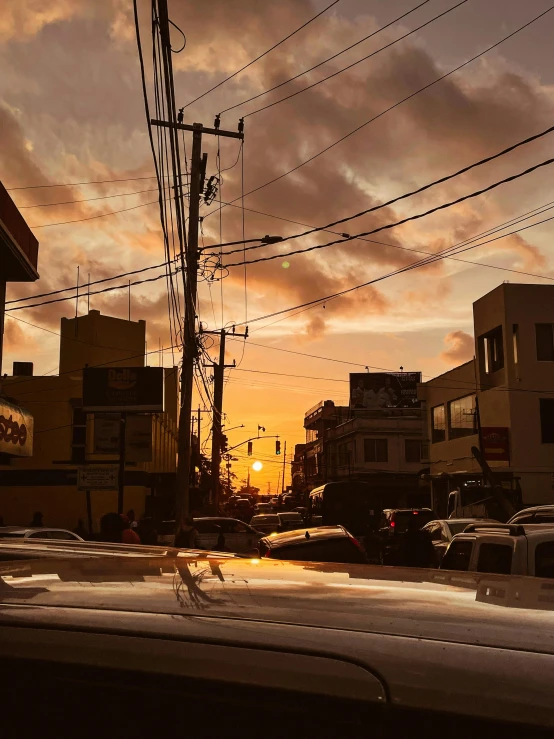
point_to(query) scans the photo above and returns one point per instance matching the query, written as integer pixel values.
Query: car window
(323, 550)
(207, 527)
(434, 531)
(62, 536)
(544, 559)
(458, 556)
(38, 535)
(458, 528)
(544, 517)
(522, 518)
(495, 558)
(233, 527)
(401, 519)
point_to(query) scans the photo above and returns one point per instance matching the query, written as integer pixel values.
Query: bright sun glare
(257, 466)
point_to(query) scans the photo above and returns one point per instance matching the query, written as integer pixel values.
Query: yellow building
(512, 376)
(65, 438)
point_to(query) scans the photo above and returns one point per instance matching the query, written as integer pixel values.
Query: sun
(257, 466)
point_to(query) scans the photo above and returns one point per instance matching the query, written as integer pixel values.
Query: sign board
(16, 430)
(138, 436)
(379, 390)
(495, 442)
(97, 478)
(123, 389)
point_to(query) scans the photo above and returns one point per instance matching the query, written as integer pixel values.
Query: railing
(18, 228)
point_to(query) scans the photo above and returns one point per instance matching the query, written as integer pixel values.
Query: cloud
(460, 347)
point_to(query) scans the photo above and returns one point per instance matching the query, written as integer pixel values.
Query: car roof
(461, 520)
(266, 516)
(293, 514)
(26, 530)
(530, 530)
(406, 510)
(298, 536)
(240, 594)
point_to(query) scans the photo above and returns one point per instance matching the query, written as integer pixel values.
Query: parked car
(262, 508)
(321, 544)
(237, 535)
(393, 525)
(267, 523)
(535, 514)
(441, 531)
(39, 532)
(506, 549)
(290, 520)
(231, 647)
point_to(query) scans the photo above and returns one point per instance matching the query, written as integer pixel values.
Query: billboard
(97, 478)
(16, 430)
(122, 389)
(380, 390)
(138, 436)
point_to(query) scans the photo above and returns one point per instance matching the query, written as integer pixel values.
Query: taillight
(268, 554)
(392, 524)
(356, 543)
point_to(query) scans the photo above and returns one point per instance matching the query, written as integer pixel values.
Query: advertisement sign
(379, 390)
(16, 430)
(97, 478)
(123, 389)
(496, 443)
(138, 436)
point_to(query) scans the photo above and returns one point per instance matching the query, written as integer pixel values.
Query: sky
(72, 111)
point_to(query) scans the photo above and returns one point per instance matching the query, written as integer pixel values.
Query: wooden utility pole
(189, 255)
(284, 466)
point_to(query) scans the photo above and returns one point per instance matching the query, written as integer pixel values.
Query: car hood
(494, 610)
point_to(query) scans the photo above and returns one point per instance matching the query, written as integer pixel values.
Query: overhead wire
(86, 200)
(395, 105)
(325, 61)
(359, 61)
(260, 56)
(92, 218)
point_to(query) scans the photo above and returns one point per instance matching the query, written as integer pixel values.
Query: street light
(257, 466)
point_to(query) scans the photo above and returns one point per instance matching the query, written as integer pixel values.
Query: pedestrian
(132, 520)
(80, 529)
(187, 536)
(37, 520)
(416, 548)
(128, 535)
(147, 532)
(111, 528)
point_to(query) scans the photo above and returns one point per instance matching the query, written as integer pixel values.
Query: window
(515, 342)
(376, 450)
(457, 556)
(544, 333)
(492, 350)
(544, 559)
(547, 420)
(495, 558)
(438, 424)
(412, 450)
(326, 550)
(522, 518)
(434, 531)
(461, 417)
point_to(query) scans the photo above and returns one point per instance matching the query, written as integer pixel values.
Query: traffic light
(277, 447)
(249, 448)
(224, 443)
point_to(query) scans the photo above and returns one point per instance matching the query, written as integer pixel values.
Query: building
(18, 263)
(386, 447)
(511, 382)
(66, 438)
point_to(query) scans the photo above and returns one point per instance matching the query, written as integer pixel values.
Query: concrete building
(386, 447)
(65, 437)
(512, 378)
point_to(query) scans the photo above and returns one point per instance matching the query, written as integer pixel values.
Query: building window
(412, 450)
(547, 420)
(515, 342)
(346, 454)
(462, 417)
(376, 450)
(492, 350)
(544, 333)
(438, 424)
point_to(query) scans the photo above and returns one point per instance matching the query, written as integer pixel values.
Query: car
(321, 544)
(261, 508)
(322, 649)
(534, 514)
(441, 531)
(290, 520)
(393, 525)
(267, 523)
(38, 532)
(237, 535)
(506, 549)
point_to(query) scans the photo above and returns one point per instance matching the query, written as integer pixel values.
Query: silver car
(38, 532)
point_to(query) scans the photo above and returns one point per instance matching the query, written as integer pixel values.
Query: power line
(87, 182)
(91, 218)
(311, 69)
(396, 105)
(312, 303)
(425, 187)
(307, 23)
(86, 200)
(363, 59)
(387, 226)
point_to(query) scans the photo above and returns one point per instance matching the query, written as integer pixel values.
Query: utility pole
(284, 464)
(189, 254)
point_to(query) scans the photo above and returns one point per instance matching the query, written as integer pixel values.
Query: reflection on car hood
(452, 606)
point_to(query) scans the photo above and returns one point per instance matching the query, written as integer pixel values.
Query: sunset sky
(71, 110)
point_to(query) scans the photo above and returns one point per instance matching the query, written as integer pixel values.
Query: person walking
(187, 536)
(128, 535)
(416, 547)
(36, 521)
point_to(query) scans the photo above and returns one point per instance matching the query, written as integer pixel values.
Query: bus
(354, 505)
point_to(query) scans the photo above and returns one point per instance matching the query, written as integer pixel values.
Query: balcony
(18, 245)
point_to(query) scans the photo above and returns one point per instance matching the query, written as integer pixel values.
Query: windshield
(403, 518)
(458, 527)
